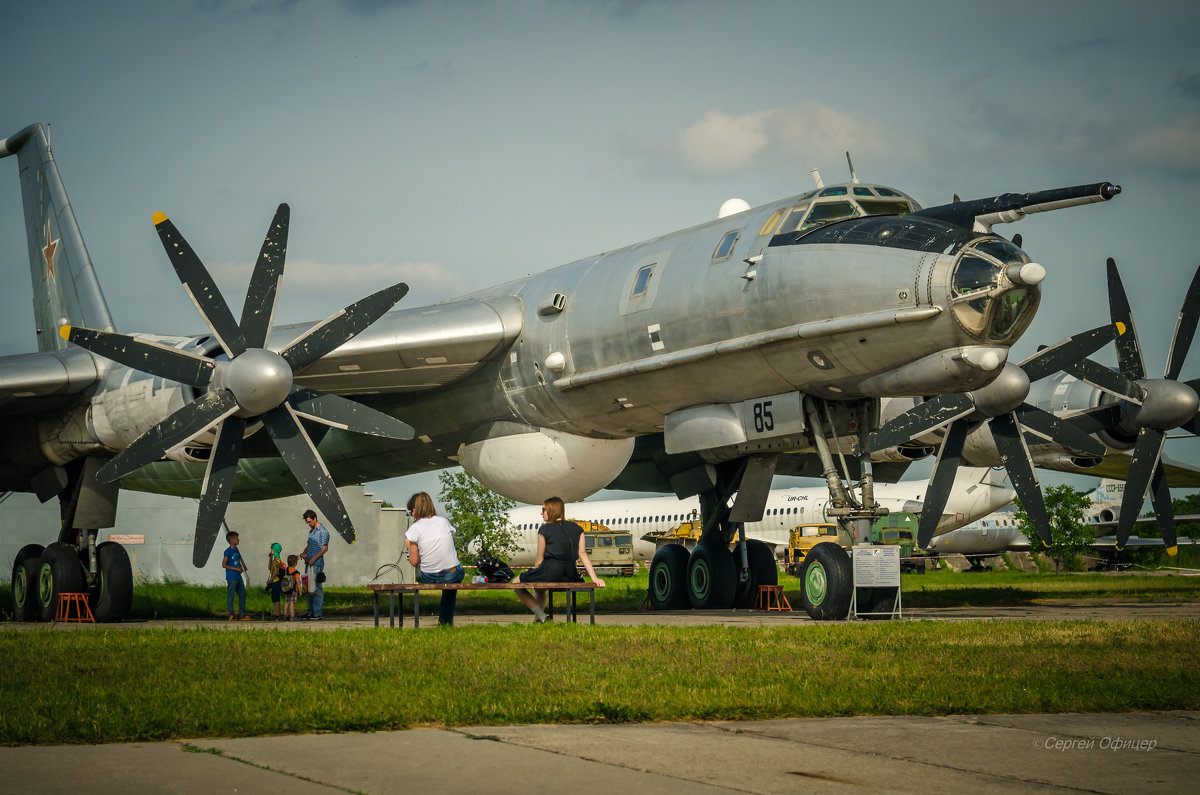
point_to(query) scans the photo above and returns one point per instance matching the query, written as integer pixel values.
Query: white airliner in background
(977, 492)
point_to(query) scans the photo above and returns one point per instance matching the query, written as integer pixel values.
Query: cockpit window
(830, 211)
(974, 274)
(985, 302)
(792, 222)
(863, 192)
(886, 192)
(1002, 250)
(642, 280)
(770, 223)
(892, 207)
(834, 192)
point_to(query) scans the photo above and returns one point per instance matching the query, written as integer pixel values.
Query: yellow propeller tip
(159, 217)
(1172, 551)
(64, 332)
(1120, 328)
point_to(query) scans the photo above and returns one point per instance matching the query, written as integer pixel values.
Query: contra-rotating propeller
(1150, 408)
(249, 382)
(1003, 403)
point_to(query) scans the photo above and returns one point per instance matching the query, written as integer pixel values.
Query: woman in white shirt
(430, 543)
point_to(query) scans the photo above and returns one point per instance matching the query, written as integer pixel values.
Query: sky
(455, 145)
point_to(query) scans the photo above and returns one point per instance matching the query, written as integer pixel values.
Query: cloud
(1172, 147)
(809, 134)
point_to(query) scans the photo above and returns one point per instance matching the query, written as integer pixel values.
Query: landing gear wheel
(711, 577)
(826, 580)
(60, 572)
(24, 583)
(763, 571)
(111, 598)
(872, 601)
(668, 578)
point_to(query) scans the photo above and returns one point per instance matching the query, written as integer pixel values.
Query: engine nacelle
(131, 403)
(531, 464)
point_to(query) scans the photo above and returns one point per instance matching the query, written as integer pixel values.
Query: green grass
(125, 685)
(933, 589)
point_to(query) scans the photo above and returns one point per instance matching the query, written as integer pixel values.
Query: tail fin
(65, 288)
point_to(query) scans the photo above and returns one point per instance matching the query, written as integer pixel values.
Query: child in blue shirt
(234, 566)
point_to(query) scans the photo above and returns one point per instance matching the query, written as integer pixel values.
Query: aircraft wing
(37, 383)
(1116, 466)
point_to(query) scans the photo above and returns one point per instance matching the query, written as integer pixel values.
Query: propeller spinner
(252, 383)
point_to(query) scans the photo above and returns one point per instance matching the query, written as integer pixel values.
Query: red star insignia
(48, 252)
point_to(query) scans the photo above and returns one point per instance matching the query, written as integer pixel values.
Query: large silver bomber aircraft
(700, 362)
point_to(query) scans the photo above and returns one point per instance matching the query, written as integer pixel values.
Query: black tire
(763, 571)
(668, 578)
(825, 582)
(60, 572)
(111, 598)
(24, 583)
(872, 601)
(711, 577)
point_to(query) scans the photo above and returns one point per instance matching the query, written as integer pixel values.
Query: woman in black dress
(559, 543)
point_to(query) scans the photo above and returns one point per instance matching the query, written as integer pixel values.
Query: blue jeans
(235, 587)
(316, 597)
(456, 574)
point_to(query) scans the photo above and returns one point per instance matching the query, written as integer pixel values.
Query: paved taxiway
(1154, 752)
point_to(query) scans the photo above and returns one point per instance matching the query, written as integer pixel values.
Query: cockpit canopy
(839, 202)
(985, 301)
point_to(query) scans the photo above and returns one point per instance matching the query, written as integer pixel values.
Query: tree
(479, 516)
(1069, 533)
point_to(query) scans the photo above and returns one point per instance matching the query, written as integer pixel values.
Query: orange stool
(770, 597)
(82, 612)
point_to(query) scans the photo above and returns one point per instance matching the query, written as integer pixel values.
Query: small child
(290, 586)
(274, 570)
(234, 567)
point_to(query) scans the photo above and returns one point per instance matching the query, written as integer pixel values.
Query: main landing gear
(75, 563)
(712, 576)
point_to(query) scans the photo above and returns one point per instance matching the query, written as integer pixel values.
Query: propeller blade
(200, 287)
(1185, 329)
(1095, 420)
(1058, 356)
(301, 456)
(342, 327)
(1045, 424)
(1101, 377)
(1015, 456)
(941, 482)
(920, 419)
(259, 310)
(181, 427)
(148, 357)
(217, 487)
(349, 415)
(1164, 511)
(1017, 240)
(1129, 350)
(1141, 469)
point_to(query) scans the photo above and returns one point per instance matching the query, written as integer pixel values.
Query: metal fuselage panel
(609, 345)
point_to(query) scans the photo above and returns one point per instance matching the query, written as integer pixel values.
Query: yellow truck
(803, 538)
(611, 551)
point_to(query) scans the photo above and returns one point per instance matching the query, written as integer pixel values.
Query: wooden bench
(394, 590)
